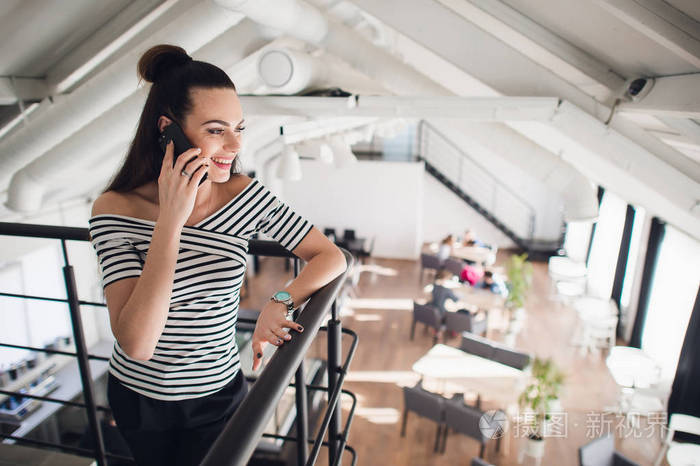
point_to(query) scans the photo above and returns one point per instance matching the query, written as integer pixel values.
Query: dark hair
(173, 74)
(488, 274)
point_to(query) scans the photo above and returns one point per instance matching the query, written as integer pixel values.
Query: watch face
(282, 296)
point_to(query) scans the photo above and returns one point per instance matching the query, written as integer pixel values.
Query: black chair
(330, 233)
(430, 262)
(494, 351)
(601, 452)
(464, 321)
(349, 235)
(453, 265)
(426, 404)
(428, 315)
(476, 345)
(511, 358)
(465, 420)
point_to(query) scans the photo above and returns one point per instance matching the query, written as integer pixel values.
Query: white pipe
(194, 28)
(305, 22)
(99, 137)
(286, 71)
(94, 141)
(497, 109)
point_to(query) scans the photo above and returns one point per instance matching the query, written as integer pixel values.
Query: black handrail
(240, 436)
(247, 424)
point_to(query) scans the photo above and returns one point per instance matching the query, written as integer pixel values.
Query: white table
(447, 362)
(479, 297)
(590, 308)
(477, 254)
(632, 367)
(563, 268)
(683, 454)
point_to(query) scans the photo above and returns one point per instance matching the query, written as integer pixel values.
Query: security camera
(638, 88)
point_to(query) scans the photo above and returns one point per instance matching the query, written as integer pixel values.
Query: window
(606, 245)
(578, 234)
(31, 322)
(631, 269)
(673, 293)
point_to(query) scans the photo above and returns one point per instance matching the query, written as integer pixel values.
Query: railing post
(334, 362)
(301, 400)
(82, 357)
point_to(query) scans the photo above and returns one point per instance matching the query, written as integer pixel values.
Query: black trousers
(173, 433)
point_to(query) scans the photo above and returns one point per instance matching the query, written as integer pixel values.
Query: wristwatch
(285, 298)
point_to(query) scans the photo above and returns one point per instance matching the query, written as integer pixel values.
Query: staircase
(484, 192)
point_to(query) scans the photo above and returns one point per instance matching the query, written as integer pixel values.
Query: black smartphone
(173, 132)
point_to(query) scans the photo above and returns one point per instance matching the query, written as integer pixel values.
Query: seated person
(471, 274)
(445, 250)
(470, 239)
(443, 294)
(493, 283)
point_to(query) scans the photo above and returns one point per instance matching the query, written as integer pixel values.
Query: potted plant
(519, 272)
(541, 393)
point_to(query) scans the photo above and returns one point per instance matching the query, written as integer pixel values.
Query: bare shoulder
(141, 202)
(237, 184)
(110, 202)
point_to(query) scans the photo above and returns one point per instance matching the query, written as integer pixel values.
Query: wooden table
(477, 254)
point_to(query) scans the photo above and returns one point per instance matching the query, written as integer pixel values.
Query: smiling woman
(172, 248)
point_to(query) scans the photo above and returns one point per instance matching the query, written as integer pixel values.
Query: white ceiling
(580, 51)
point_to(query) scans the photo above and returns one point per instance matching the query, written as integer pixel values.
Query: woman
(172, 254)
(445, 250)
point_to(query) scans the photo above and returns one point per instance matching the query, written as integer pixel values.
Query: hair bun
(160, 60)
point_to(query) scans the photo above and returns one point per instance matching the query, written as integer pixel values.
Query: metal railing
(240, 437)
(475, 180)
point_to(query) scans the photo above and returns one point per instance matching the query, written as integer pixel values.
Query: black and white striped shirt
(196, 354)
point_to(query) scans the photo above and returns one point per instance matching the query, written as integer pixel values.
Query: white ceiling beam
(466, 108)
(14, 89)
(613, 160)
(489, 60)
(673, 96)
(662, 23)
(133, 19)
(687, 128)
(540, 45)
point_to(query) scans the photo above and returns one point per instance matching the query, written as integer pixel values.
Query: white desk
(632, 367)
(683, 454)
(563, 268)
(446, 362)
(477, 254)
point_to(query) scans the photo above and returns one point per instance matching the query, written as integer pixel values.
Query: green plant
(544, 387)
(519, 272)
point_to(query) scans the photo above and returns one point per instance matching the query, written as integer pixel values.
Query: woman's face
(215, 125)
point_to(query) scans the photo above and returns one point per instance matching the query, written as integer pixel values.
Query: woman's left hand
(270, 328)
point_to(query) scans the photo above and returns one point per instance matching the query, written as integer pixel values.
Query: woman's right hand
(177, 192)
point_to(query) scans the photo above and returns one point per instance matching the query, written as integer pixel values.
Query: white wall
(444, 212)
(44, 277)
(383, 200)
(546, 202)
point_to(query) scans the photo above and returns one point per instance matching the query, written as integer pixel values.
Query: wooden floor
(381, 315)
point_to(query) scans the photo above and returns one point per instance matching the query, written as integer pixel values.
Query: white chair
(599, 333)
(678, 454)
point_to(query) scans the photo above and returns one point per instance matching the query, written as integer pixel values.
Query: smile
(222, 163)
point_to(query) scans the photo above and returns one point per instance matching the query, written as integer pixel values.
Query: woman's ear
(163, 121)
